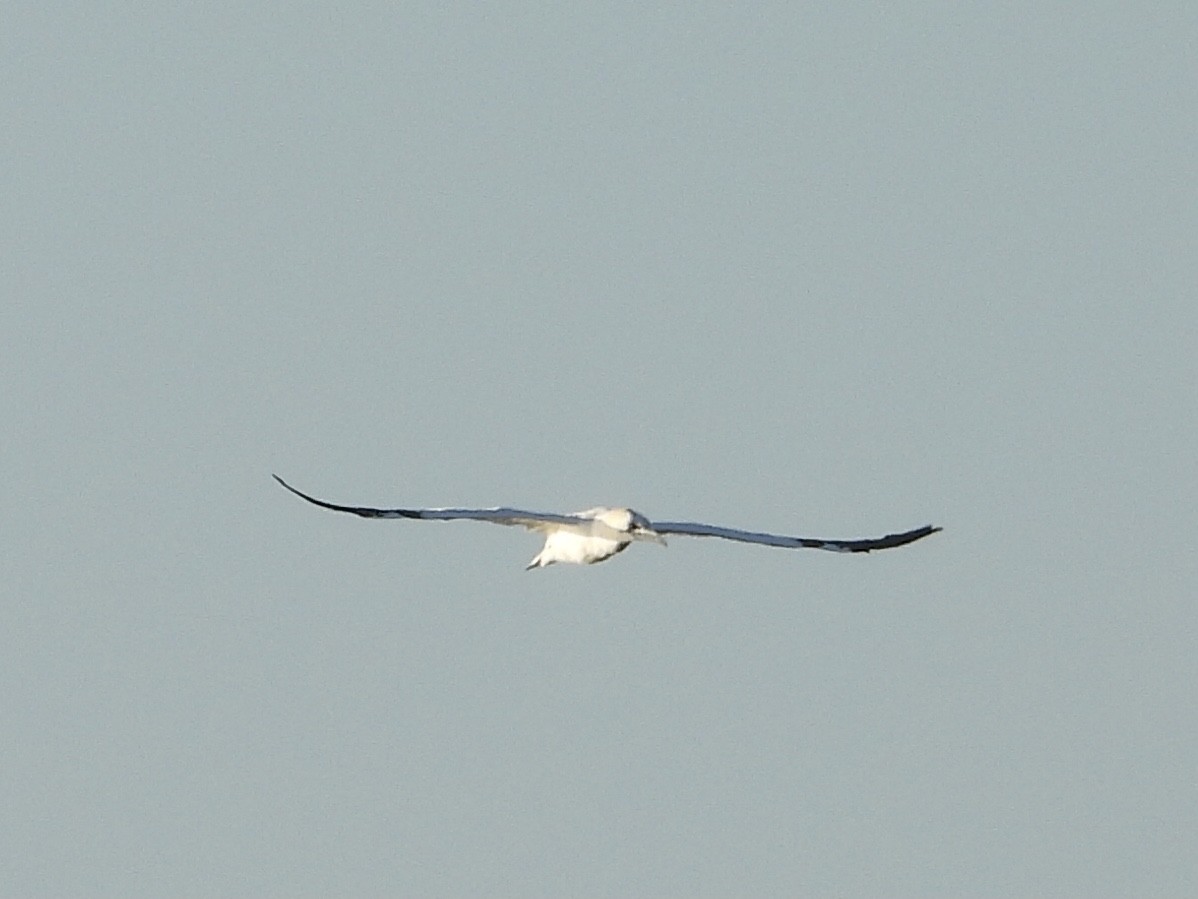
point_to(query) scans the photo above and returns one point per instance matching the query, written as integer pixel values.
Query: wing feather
(518, 517)
(695, 529)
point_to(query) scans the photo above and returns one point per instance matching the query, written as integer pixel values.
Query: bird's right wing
(695, 529)
(535, 521)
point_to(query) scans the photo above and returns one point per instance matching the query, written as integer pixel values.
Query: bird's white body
(607, 531)
(597, 534)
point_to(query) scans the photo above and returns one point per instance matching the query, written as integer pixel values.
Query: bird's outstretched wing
(695, 529)
(532, 520)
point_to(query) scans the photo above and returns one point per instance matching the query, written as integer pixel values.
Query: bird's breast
(580, 549)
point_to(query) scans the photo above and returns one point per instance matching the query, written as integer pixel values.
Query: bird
(594, 535)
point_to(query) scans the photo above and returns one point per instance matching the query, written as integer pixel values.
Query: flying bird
(593, 535)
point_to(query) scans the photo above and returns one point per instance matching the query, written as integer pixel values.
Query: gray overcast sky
(826, 269)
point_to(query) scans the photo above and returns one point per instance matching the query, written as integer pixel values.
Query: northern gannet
(593, 535)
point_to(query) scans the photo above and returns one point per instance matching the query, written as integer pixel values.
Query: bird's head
(640, 528)
(626, 521)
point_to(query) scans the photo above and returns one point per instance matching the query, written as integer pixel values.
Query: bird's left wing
(532, 520)
(695, 529)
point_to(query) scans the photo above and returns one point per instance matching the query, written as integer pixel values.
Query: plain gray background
(826, 269)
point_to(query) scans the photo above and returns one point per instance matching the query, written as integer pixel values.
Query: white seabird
(584, 538)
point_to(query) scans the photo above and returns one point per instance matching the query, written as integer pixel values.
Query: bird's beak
(649, 535)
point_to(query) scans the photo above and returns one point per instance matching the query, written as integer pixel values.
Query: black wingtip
(311, 499)
(890, 541)
(918, 534)
(286, 486)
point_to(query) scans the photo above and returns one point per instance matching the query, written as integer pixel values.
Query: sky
(833, 270)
